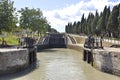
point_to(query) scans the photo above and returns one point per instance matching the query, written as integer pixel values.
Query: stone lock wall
(13, 60)
(107, 61)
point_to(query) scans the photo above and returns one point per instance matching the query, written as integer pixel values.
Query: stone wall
(75, 47)
(107, 61)
(103, 60)
(13, 60)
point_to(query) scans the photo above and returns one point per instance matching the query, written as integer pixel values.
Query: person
(101, 39)
(86, 43)
(92, 41)
(97, 43)
(89, 42)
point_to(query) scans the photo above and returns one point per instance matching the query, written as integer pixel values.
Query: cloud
(60, 17)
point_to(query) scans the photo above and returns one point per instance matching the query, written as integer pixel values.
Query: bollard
(85, 55)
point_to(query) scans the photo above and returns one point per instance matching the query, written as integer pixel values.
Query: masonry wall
(107, 61)
(13, 60)
(75, 47)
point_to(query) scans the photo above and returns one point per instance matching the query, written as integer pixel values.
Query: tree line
(106, 23)
(28, 19)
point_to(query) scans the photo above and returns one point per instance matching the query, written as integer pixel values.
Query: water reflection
(28, 70)
(60, 64)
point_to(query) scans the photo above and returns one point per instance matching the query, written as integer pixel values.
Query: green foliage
(8, 18)
(30, 19)
(10, 40)
(113, 22)
(107, 23)
(89, 23)
(95, 22)
(69, 28)
(34, 20)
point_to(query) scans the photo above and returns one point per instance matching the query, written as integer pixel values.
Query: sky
(60, 12)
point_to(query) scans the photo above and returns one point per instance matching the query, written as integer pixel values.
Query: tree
(89, 23)
(119, 20)
(113, 23)
(74, 27)
(82, 23)
(102, 23)
(107, 22)
(8, 17)
(78, 27)
(69, 28)
(95, 21)
(33, 19)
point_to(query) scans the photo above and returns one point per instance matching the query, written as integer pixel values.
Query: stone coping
(10, 49)
(109, 49)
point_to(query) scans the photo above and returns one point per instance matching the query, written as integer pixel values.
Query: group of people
(92, 42)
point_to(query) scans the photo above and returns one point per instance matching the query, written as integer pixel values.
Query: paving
(104, 49)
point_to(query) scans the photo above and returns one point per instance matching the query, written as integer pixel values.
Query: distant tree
(107, 16)
(108, 22)
(74, 27)
(103, 20)
(119, 21)
(95, 21)
(82, 24)
(66, 28)
(69, 27)
(113, 23)
(48, 28)
(78, 27)
(89, 23)
(85, 26)
(98, 27)
(53, 30)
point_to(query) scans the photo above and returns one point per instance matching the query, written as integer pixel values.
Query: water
(60, 64)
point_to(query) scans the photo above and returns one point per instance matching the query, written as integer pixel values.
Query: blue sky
(60, 12)
(44, 4)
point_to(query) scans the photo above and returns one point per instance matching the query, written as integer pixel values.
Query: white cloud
(60, 17)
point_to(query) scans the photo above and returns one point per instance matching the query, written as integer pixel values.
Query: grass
(10, 40)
